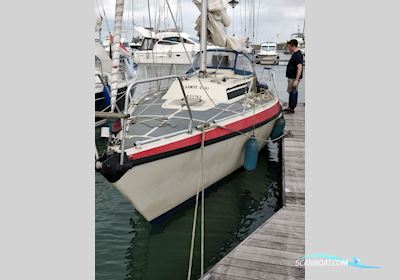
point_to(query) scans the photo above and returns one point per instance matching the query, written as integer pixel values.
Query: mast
(203, 38)
(180, 12)
(178, 15)
(245, 19)
(133, 21)
(233, 4)
(254, 15)
(119, 9)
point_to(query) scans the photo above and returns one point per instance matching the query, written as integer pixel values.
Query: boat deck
(150, 121)
(271, 251)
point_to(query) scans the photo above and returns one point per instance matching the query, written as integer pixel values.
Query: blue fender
(251, 154)
(278, 129)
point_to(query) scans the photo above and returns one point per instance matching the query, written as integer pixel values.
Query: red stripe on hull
(212, 134)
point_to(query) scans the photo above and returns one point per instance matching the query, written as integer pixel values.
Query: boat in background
(169, 46)
(300, 37)
(268, 54)
(135, 44)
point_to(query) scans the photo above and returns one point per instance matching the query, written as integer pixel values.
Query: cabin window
(166, 43)
(268, 48)
(172, 39)
(215, 59)
(220, 60)
(178, 40)
(243, 65)
(186, 41)
(148, 44)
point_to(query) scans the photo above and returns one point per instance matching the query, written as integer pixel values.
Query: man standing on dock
(294, 73)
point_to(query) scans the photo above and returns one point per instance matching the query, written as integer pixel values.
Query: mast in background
(133, 21)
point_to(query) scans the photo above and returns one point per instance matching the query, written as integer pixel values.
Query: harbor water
(128, 247)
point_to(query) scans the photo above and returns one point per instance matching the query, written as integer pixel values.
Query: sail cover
(217, 22)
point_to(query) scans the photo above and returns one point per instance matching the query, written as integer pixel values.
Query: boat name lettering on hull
(196, 87)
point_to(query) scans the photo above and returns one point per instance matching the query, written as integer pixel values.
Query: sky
(275, 20)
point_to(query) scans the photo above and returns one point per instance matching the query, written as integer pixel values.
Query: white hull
(175, 179)
(146, 57)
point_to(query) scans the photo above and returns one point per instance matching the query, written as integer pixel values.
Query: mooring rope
(202, 202)
(202, 198)
(286, 133)
(195, 215)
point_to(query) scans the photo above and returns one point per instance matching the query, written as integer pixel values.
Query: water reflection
(234, 207)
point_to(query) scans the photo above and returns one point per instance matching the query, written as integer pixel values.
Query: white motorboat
(170, 143)
(166, 47)
(268, 54)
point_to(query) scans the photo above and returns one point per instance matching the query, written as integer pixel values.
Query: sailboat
(172, 142)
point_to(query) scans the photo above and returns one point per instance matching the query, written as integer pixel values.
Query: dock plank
(286, 217)
(217, 276)
(275, 245)
(261, 258)
(287, 222)
(294, 235)
(271, 250)
(253, 274)
(264, 267)
(279, 239)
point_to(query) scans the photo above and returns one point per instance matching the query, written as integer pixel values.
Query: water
(128, 247)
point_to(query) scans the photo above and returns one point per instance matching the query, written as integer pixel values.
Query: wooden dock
(270, 252)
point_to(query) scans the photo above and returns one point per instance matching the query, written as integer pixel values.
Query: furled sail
(217, 22)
